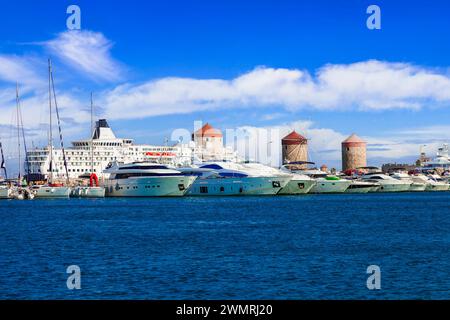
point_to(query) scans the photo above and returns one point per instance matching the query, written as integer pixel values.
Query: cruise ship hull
(52, 192)
(237, 186)
(296, 186)
(330, 186)
(160, 186)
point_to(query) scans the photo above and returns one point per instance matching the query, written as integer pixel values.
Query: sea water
(269, 247)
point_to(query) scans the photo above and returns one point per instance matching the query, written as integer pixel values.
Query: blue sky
(155, 66)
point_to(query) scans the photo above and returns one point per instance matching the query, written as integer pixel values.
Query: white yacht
(387, 183)
(299, 184)
(414, 185)
(433, 182)
(52, 190)
(145, 179)
(326, 183)
(230, 178)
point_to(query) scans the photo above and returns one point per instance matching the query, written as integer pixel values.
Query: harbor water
(284, 247)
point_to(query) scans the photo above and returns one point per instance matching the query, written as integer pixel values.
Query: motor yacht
(229, 178)
(433, 182)
(387, 183)
(326, 183)
(146, 179)
(414, 185)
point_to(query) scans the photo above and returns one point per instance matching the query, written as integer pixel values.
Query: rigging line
(27, 160)
(59, 126)
(3, 162)
(18, 133)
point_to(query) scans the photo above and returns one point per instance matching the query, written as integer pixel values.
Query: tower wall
(353, 155)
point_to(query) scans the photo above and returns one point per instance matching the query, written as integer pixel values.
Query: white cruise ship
(144, 179)
(107, 149)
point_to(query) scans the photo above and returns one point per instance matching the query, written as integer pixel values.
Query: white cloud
(365, 86)
(20, 69)
(87, 51)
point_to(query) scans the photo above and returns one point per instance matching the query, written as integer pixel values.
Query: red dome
(208, 131)
(293, 138)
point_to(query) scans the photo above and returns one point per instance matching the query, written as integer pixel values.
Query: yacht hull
(298, 187)
(5, 193)
(437, 187)
(88, 192)
(415, 187)
(391, 187)
(356, 188)
(237, 186)
(160, 186)
(330, 186)
(52, 192)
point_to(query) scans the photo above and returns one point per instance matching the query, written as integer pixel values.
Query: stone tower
(294, 148)
(353, 153)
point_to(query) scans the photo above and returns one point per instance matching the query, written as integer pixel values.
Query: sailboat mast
(50, 136)
(92, 135)
(18, 132)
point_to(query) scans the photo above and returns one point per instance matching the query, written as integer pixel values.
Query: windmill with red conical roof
(294, 149)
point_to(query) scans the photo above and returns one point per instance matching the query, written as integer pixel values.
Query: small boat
(52, 190)
(93, 190)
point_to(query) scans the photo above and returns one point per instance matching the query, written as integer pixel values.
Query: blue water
(292, 247)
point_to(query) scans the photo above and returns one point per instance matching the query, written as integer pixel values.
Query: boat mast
(18, 133)
(92, 135)
(50, 136)
(59, 127)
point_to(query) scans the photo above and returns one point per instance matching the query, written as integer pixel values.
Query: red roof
(294, 137)
(208, 131)
(353, 139)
